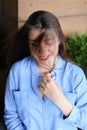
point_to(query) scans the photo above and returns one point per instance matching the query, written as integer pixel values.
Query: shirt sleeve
(11, 117)
(78, 116)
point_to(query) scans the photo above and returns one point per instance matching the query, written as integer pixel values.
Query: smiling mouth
(44, 57)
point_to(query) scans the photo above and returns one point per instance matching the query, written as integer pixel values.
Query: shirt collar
(59, 65)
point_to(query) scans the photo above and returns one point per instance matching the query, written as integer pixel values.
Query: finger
(53, 77)
(44, 92)
(48, 77)
(41, 89)
(43, 83)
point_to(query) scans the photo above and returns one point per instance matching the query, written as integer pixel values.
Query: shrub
(77, 49)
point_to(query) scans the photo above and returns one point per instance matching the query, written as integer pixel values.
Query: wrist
(63, 104)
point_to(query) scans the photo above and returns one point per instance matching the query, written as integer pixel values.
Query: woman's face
(47, 50)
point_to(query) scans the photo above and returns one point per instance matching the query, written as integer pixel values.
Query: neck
(46, 68)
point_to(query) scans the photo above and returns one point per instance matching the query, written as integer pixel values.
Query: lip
(44, 57)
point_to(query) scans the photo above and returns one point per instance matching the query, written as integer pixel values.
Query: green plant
(77, 49)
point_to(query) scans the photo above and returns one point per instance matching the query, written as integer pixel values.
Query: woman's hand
(54, 93)
(50, 88)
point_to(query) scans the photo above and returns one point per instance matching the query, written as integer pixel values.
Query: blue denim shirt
(26, 110)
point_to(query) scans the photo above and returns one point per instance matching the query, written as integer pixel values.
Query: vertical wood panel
(0, 15)
(9, 15)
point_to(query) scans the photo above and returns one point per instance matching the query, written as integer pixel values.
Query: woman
(44, 91)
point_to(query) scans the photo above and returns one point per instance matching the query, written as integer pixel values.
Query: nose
(42, 47)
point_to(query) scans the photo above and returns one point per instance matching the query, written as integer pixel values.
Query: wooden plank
(9, 15)
(58, 7)
(9, 8)
(70, 25)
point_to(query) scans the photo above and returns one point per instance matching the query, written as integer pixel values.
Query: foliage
(77, 49)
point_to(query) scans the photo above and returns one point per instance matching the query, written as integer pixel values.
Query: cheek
(33, 51)
(54, 49)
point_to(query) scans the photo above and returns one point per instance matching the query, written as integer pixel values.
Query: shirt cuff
(73, 116)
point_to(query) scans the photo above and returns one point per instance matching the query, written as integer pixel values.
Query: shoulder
(75, 72)
(73, 68)
(21, 65)
(68, 66)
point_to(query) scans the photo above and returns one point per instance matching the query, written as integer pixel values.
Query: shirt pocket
(71, 97)
(22, 105)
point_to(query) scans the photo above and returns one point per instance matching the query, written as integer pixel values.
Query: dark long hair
(44, 20)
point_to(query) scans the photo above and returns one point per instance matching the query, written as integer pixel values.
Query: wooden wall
(8, 24)
(9, 14)
(72, 14)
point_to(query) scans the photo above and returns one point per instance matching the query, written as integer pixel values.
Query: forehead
(34, 33)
